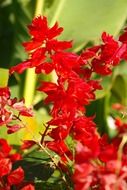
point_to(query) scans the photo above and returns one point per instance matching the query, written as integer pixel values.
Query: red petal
(47, 87)
(13, 129)
(20, 67)
(123, 37)
(5, 148)
(27, 112)
(58, 45)
(28, 187)
(38, 29)
(15, 157)
(54, 31)
(106, 37)
(16, 176)
(58, 147)
(5, 166)
(44, 68)
(5, 92)
(27, 144)
(31, 45)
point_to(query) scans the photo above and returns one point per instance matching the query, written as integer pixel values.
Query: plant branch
(55, 164)
(119, 158)
(51, 157)
(44, 134)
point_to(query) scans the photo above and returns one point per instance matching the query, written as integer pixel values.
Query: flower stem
(55, 164)
(120, 150)
(57, 12)
(119, 158)
(39, 7)
(31, 77)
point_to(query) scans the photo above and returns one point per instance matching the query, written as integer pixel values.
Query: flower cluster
(107, 171)
(8, 176)
(99, 164)
(10, 111)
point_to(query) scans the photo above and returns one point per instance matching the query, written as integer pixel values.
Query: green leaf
(37, 156)
(22, 15)
(6, 33)
(4, 76)
(34, 171)
(36, 165)
(85, 20)
(99, 109)
(106, 84)
(14, 139)
(57, 185)
(119, 87)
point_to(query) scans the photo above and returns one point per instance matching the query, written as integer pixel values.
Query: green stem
(119, 158)
(31, 77)
(120, 150)
(29, 89)
(39, 7)
(54, 161)
(4, 76)
(79, 47)
(55, 164)
(57, 12)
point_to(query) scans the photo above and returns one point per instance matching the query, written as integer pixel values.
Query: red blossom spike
(95, 157)
(42, 42)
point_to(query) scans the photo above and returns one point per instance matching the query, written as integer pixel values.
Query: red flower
(83, 153)
(82, 177)
(57, 146)
(40, 31)
(123, 37)
(109, 55)
(20, 67)
(28, 187)
(60, 132)
(121, 127)
(20, 106)
(108, 151)
(13, 128)
(27, 144)
(42, 42)
(5, 166)
(5, 148)
(15, 157)
(5, 92)
(9, 177)
(45, 68)
(95, 157)
(11, 109)
(16, 176)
